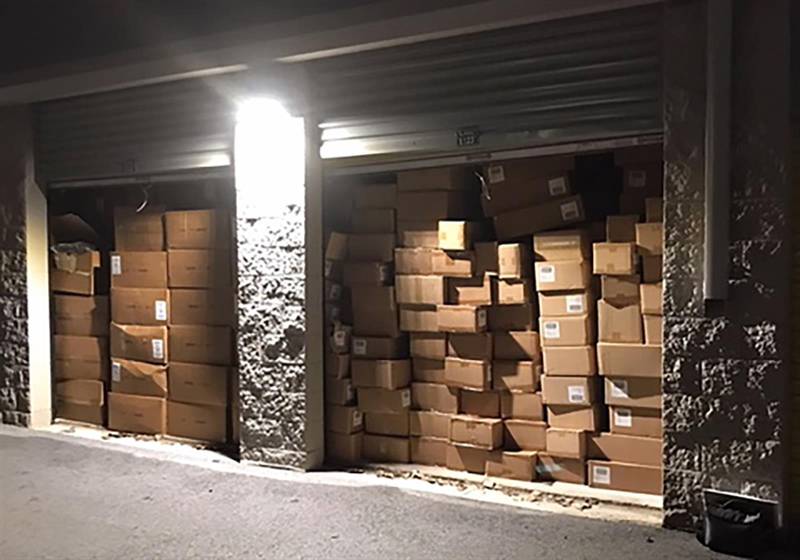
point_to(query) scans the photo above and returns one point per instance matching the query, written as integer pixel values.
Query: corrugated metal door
(579, 78)
(795, 386)
(177, 126)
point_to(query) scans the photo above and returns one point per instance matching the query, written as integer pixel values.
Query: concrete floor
(65, 497)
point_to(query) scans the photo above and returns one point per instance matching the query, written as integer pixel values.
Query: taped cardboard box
(459, 235)
(435, 179)
(140, 343)
(199, 268)
(357, 273)
(520, 377)
(336, 249)
(626, 477)
(468, 458)
(198, 229)
(626, 449)
(621, 228)
(506, 318)
(568, 390)
(420, 290)
(374, 220)
(433, 205)
(80, 315)
(512, 292)
(645, 422)
(570, 444)
(486, 433)
(516, 465)
(516, 345)
(633, 392)
(472, 291)
(197, 421)
(139, 231)
(428, 451)
(561, 304)
(629, 360)
(81, 274)
(651, 297)
(525, 406)
(137, 414)
(461, 318)
(514, 261)
(470, 346)
(372, 399)
(201, 307)
(386, 424)
(343, 449)
(376, 247)
(339, 391)
(654, 209)
(652, 269)
(434, 396)
(428, 370)
(80, 357)
(486, 260)
(139, 270)
(380, 347)
(201, 344)
(650, 239)
(480, 403)
(468, 374)
(337, 366)
(526, 435)
(589, 418)
(614, 258)
(559, 276)
(138, 378)
(198, 383)
(653, 329)
(454, 264)
(533, 219)
(140, 306)
(620, 290)
(386, 449)
(429, 423)
(88, 392)
(387, 374)
(570, 361)
(619, 324)
(414, 260)
(375, 195)
(419, 318)
(560, 469)
(418, 233)
(577, 330)
(509, 193)
(565, 245)
(78, 412)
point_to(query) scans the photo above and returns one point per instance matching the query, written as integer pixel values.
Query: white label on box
(359, 346)
(358, 418)
(496, 174)
(552, 330)
(328, 268)
(383, 273)
(601, 474)
(161, 310)
(557, 186)
(339, 338)
(547, 274)
(619, 389)
(637, 178)
(335, 292)
(350, 393)
(576, 394)
(116, 371)
(623, 417)
(569, 211)
(406, 398)
(158, 348)
(575, 304)
(481, 316)
(116, 265)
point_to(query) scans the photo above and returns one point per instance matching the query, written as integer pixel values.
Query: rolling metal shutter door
(794, 429)
(177, 126)
(567, 80)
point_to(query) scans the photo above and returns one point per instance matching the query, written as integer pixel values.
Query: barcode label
(637, 178)
(406, 398)
(161, 310)
(481, 316)
(619, 389)
(576, 394)
(116, 371)
(552, 330)
(575, 304)
(340, 338)
(496, 174)
(623, 417)
(359, 346)
(557, 186)
(358, 418)
(547, 274)
(116, 265)
(569, 211)
(158, 348)
(601, 474)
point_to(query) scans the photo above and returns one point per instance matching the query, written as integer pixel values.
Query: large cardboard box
(459, 235)
(73, 273)
(429, 423)
(343, 449)
(380, 347)
(480, 403)
(507, 318)
(651, 297)
(626, 449)
(375, 195)
(140, 306)
(568, 390)
(201, 344)
(418, 233)
(533, 219)
(199, 268)
(420, 290)
(650, 239)
(197, 421)
(429, 451)
(419, 318)
(373, 220)
(576, 330)
(454, 264)
(427, 370)
(340, 391)
(469, 458)
(373, 247)
(520, 377)
(386, 424)
(373, 399)
(486, 260)
(654, 209)
(337, 366)
(388, 374)
(633, 392)
(80, 357)
(413, 260)
(468, 374)
(560, 304)
(516, 345)
(138, 378)
(652, 269)
(525, 406)
(614, 258)
(375, 311)
(512, 190)
(80, 315)
(386, 449)
(511, 292)
(336, 248)
(629, 360)
(526, 435)
(201, 307)
(470, 346)
(433, 205)
(435, 179)
(79, 412)
(138, 231)
(514, 261)
(355, 273)
(486, 433)
(653, 329)
(198, 229)
(626, 477)
(621, 228)
(559, 276)
(516, 465)
(566, 443)
(432, 346)
(198, 383)
(139, 269)
(560, 469)
(137, 414)
(619, 324)
(571, 361)
(481, 290)
(461, 318)
(141, 343)
(620, 290)
(569, 245)
(644, 422)
(568, 417)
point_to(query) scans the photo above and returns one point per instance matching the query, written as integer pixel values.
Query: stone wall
(726, 364)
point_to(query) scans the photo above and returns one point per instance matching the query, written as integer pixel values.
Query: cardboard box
(336, 249)
(386, 424)
(516, 465)
(644, 422)
(560, 304)
(139, 270)
(414, 260)
(480, 403)
(372, 399)
(201, 307)
(380, 348)
(468, 374)
(646, 177)
(486, 259)
(387, 374)
(654, 209)
(629, 360)
(433, 205)
(197, 421)
(505, 195)
(472, 291)
(376, 195)
(80, 315)
(199, 268)
(533, 219)
(633, 392)
(76, 273)
(652, 269)
(341, 338)
(90, 392)
(201, 344)
(653, 329)
(428, 451)
(619, 324)
(78, 412)
(614, 258)
(520, 377)
(435, 179)
(566, 443)
(429, 423)
(138, 231)
(420, 290)
(570, 361)
(459, 235)
(650, 239)
(140, 306)
(356, 273)
(375, 311)
(569, 245)
(375, 247)
(626, 477)
(470, 346)
(138, 378)
(337, 366)
(620, 290)
(512, 292)
(525, 406)
(527, 435)
(459, 264)
(427, 370)
(343, 448)
(506, 318)
(486, 433)
(567, 417)
(514, 261)
(385, 449)
(516, 345)
(339, 391)
(626, 449)
(651, 297)
(461, 318)
(198, 229)
(419, 318)
(577, 330)
(469, 458)
(560, 469)
(434, 396)
(418, 233)
(374, 220)
(555, 276)
(621, 228)
(137, 414)
(141, 343)
(198, 384)
(80, 357)
(568, 390)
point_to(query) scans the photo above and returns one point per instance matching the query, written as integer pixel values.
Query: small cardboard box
(517, 346)
(460, 264)
(420, 290)
(386, 374)
(525, 406)
(343, 449)
(577, 330)
(619, 324)
(614, 258)
(198, 229)
(428, 345)
(355, 273)
(560, 469)
(375, 195)
(650, 239)
(526, 435)
(568, 390)
(533, 219)
(461, 318)
(433, 205)
(570, 361)
(629, 360)
(568, 417)
(201, 307)
(372, 399)
(429, 451)
(419, 318)
(435, 179)
(414, 260)
(80, 357)
(620, 290)
(386, 424)
(651, 297)
(418, 233)
(429, 423)
(468, 374)
(486, 433)
(459, 235)
(559, 276)
(470, 346)
(626, 449)
(633, 392)
(336, 249)
(385, 449)
(340, 391)
(480, 403)
(506, 318)
(514, 261)
(380, 347)
(486, 260)
(472, 291)
(134, 342)
(73, 273)
(78, 412)
(197, 421)
(566, 443)
(340, 340)
(337, 366)
(137, 414)
(201, 344)
(139, 378)
(140, 306)
(652, 269)
(89, 392)
(198, 383)
(626, 477)
(512, 292)
(138, 231)
(516, 465)
(374, 220)
(644, 422)
(653, 329)
(560, 304)
(569, 245)
(654, 209)
(139, 270)
(469, 458)
(375, 247)
(199, 268)
(80, 315)
(434, 396)
(428, 370)
(621, 228)
(520, 377)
